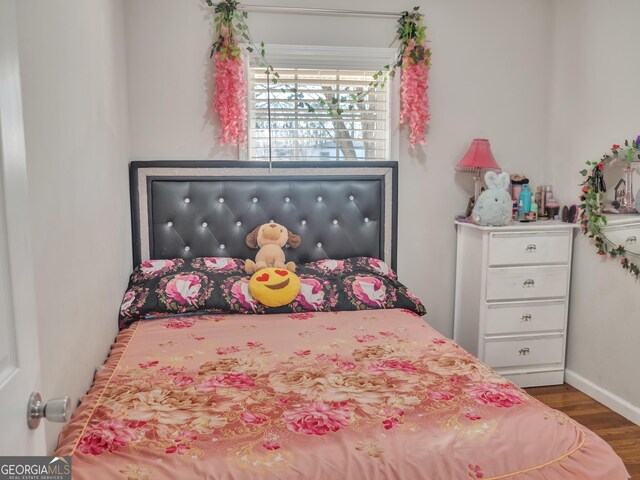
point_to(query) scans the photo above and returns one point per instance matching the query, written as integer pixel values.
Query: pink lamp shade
(478, 158)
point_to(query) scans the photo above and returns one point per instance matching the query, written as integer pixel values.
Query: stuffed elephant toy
(494, 206)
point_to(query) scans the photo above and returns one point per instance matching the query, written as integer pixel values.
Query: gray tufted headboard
(206, 208)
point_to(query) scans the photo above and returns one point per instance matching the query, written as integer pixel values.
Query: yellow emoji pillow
(274, 287)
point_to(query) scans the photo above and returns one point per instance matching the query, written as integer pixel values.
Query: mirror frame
(592, 219)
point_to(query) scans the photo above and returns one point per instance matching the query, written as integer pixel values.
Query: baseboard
(614, 402)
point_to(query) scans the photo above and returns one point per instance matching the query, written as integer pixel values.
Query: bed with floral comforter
(327, 395)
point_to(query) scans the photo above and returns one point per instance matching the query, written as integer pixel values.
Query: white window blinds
(302, 126)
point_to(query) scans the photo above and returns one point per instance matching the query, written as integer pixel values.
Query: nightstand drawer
(521, 283)
(527, 248)
(524, 317)
(515, 353)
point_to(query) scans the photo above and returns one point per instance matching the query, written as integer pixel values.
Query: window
(302, 127)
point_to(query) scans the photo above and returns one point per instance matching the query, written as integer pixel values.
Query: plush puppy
(270, 238)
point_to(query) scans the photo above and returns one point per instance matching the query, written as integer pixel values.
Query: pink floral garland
(414, 108)
(231, 89)
(230, 95)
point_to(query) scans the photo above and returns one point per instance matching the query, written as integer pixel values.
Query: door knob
(55, 410)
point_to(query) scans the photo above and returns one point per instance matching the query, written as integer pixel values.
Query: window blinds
(302, 126)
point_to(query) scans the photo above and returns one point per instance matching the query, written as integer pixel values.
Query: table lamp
(478, 158)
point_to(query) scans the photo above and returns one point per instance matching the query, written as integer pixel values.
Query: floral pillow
(217, 284)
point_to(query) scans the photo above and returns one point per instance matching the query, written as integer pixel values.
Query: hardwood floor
(617, 431)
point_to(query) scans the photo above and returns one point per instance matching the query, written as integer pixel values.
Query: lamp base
(477, 186)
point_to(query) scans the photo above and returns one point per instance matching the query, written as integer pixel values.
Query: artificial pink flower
(318, 418)
(229, 99)
(414, 108)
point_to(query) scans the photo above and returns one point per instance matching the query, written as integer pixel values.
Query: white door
(19, 347)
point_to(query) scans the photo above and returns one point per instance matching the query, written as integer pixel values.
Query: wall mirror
(610, 204)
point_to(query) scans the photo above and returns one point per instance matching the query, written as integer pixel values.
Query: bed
(349, 382)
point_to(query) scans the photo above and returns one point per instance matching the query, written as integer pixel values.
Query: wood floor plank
(617, 431)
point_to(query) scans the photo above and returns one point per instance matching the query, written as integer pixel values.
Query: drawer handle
(524, 351)
(529, 283)
(531, 248)
(632, 239)
(526, 317)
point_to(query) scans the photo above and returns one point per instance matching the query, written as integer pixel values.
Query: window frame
(331, 57)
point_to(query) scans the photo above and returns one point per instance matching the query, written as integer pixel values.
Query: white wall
(490, 78)
(596, 104)
(76, 127)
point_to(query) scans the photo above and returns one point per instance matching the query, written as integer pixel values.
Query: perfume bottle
(525, 199)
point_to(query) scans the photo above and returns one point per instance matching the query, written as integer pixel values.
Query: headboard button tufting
(205, 209)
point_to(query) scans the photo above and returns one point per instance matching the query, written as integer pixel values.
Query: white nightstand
(512, 297)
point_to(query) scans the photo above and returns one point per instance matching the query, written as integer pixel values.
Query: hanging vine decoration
(592, 220)
(230, 85)
(413, 58)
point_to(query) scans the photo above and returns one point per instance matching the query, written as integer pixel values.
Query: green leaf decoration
(410, 31)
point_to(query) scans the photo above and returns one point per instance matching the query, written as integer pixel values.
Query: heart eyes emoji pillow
(274, 287)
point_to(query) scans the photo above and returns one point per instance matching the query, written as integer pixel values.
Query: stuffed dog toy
(270, 238)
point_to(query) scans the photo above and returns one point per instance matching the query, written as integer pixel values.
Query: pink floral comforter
(357, 395)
